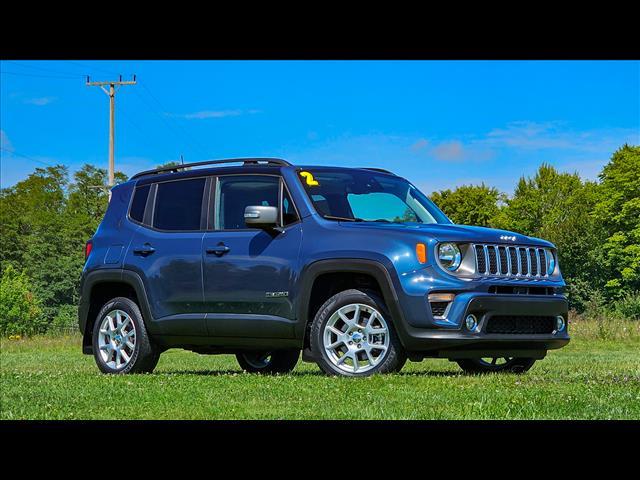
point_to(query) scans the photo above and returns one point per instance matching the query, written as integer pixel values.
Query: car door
(166, 252)
(249, 274)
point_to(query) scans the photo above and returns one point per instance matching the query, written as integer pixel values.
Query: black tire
(145, 354)
(512, 365)
(268, 363)
(395, 356)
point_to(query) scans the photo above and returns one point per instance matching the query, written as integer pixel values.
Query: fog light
(560, 323)
(471, 322)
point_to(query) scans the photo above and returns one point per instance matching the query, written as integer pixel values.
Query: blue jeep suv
(355, 267)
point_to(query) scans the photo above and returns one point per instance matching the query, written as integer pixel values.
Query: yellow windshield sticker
(309, 178)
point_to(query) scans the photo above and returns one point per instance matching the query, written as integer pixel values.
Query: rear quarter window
(139, 203)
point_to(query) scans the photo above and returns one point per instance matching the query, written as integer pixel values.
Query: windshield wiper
(346, 219)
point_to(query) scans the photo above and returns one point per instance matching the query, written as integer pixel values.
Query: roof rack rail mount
(245, 161)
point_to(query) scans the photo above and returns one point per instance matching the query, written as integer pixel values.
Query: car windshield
(361, 195)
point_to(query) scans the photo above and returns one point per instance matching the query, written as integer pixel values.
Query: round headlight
(552, 262)
(449, 256)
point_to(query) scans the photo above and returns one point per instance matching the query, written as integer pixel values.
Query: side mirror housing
(264, 217)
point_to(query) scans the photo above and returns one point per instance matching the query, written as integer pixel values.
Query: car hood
(452, 232)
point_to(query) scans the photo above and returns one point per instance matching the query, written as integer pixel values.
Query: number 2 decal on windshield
(309, 178)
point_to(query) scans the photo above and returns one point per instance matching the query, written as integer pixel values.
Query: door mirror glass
(259, 216)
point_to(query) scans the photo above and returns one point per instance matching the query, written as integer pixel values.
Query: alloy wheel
(356, 338)
(258, 360)
(117, 339)
(495, 362)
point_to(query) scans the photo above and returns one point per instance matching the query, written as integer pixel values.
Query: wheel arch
(372, 268)
(100, 286)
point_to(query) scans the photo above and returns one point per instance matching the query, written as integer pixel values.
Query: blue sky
(437, 123)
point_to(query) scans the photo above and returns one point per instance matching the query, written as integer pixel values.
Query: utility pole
(112, 99)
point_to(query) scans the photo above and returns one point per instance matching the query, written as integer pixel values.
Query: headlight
(551, 262)
(449, 256)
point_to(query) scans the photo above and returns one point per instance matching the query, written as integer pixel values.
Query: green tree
(29, 208)
(19, 308)
(171, 163)
(618, 211)
(45, 223)
(469, 204)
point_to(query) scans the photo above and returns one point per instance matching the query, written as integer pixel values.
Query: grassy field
(596, 377)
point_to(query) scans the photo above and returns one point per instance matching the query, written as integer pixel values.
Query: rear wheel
(120, 340)
(496, 364)
(268, 362)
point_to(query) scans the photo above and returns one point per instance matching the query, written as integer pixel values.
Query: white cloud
(40, 101)
(527, 135)
(453, 150)
(449, 151)
(498, 158)
(214, 114)
(420, 145)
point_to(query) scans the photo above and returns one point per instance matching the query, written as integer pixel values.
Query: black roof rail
(245, 161)
(379, 170)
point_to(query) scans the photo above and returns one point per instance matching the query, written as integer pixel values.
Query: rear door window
(179, 205)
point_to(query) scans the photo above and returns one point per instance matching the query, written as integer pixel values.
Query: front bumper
(461, 343)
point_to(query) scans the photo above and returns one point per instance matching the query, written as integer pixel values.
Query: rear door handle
(144, 250)
(218, 250)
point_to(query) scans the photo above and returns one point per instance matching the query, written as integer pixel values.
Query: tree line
(46, 219)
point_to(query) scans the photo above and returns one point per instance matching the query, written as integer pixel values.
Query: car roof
(221, 167)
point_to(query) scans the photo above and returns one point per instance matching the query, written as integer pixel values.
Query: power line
(134, 124)
(85, 65)
(46, 69)
(37, 75)
(186, 135)
(13, 152)
(164, 120)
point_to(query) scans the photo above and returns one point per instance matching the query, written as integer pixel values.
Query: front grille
(493, 261)
(543, 262)
(513, 261)
(534, 261)
(438, 308)
(504, 263)
(513, 324)
(481, 259)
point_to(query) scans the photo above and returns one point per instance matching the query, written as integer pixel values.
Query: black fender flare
(95, 278)
(347, 265)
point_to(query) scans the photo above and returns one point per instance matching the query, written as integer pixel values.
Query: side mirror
(258, 216)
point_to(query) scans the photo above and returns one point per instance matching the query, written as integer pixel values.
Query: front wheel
(352, 336)
(496, 364)
(266, 362)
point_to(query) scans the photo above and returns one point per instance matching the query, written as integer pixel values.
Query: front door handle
(144, 250)
(218, 250)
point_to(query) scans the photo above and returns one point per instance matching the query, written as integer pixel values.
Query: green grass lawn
(48, 378)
